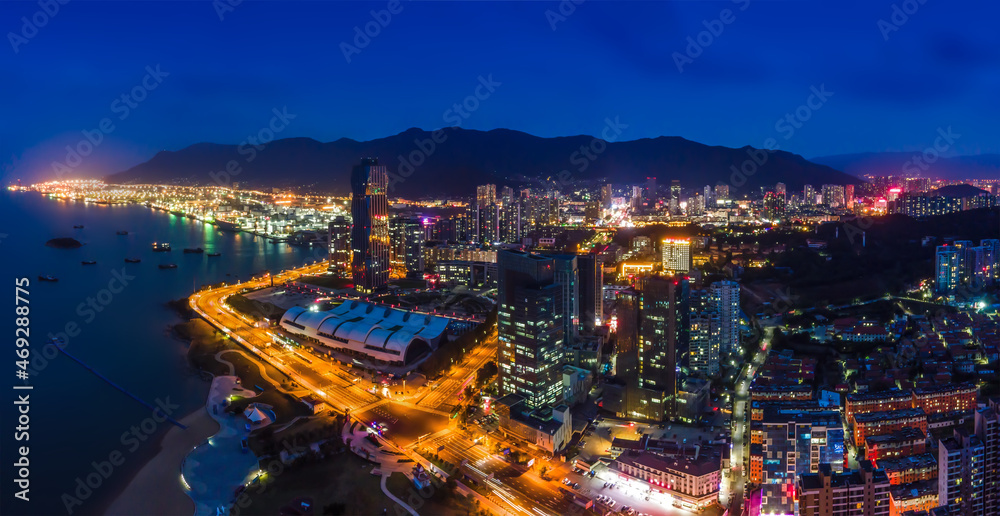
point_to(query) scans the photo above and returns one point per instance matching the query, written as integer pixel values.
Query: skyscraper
(340, 244)
(649, 323)
(486, 195)
(407, 245)
(370, 232)
(591, 291)
(725, 296)
(675, 196)
(606, 195)
(530, 326)
(774, 206)
(781, 190)
(567, 274)
(676, 254)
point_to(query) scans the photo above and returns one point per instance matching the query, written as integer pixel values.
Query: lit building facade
(370, 232)
(530, 325)
(676, 254)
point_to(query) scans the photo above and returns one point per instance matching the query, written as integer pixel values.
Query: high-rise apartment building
(947, 269)
(725, 298)
(721, 192)
(704, 334)
(987, 429)
(486, 195)
(676, 254)
(530, 326)
(808, 195)
(992, 257)
(833, 195)
(370, 230)
(961, 470)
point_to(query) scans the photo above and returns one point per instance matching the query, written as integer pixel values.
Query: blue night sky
(606, 59)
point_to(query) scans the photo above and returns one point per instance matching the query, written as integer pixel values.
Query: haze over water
(76, 418)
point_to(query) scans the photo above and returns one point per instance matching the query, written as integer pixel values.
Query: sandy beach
(157, 488)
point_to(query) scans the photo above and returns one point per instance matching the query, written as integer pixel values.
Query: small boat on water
(47, 278)
(133, 260)
(168, 265)
(123, 232)
(213, 255)
(89, 262)
(190, 250)
(161, 247)
(78, 226)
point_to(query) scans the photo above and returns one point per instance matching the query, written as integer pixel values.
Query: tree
(489, 370)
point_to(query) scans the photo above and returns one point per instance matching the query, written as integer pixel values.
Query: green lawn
(344, 479)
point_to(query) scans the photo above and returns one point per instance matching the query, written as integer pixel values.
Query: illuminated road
(445, 395)
(525, 492)
(320, 376)
(741, 409)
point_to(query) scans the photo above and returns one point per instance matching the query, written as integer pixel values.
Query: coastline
(148, 488)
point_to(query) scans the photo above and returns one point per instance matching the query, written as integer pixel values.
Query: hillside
(465, 158)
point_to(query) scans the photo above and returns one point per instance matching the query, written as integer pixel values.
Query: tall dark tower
(370, 232)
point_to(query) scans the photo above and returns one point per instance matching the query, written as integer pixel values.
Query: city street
(741, 442)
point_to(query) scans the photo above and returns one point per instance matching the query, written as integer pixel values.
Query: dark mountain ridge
(454, 160)
(915, 164)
